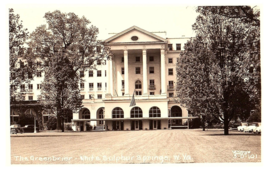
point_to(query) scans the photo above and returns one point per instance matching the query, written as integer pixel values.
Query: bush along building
(133, 90)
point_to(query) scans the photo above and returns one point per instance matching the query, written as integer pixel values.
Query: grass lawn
(159, 146)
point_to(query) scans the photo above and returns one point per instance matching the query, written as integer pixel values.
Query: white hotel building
(143, 64)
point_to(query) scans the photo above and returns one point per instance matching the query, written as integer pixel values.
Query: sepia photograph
(118, 83)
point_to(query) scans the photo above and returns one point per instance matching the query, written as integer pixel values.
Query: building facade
(144, 65)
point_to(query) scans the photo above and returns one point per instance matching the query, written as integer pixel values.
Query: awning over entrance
(143, 118)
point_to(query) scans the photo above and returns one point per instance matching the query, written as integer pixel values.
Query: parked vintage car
(243, 125)
(30, 128)
(15, 128)
(257, 129)
(250, 127)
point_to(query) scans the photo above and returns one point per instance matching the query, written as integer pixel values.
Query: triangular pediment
(134, 35)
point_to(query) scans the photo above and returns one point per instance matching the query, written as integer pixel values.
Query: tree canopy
(66, 47)
(18, 71)
(218, 73)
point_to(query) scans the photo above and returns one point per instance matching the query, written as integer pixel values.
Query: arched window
(85, 114)
(136, 112)
(176, 111)
(154, 112)
(138, 84)
(117, 113)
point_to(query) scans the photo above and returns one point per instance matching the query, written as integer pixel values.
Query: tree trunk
(62, 127)
(58, 118)
(203, 123)
(225, 121)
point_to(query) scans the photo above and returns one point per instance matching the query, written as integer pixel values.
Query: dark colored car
(30, 128)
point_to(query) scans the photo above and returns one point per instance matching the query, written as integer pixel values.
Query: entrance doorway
(176, 111)
(118, 125)
(154, 124)
(100, 115)
(136, 125)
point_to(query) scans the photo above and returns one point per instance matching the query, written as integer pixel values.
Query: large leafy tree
(18, 71)
(219, 71)
(67, 47)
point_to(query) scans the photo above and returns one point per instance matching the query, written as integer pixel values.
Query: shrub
(67, 126)
(52, 123)
(195, 123)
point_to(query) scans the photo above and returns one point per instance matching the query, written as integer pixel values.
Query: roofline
(132, 28)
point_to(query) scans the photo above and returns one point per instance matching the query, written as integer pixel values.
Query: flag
(132, 101)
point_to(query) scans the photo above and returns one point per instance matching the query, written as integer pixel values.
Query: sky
(175, 19)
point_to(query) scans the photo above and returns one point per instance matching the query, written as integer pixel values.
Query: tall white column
(144, 73)
(109, 82)
(163, 78)
(111, 77)
(126, 79)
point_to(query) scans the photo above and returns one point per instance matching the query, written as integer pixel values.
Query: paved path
(160, 146)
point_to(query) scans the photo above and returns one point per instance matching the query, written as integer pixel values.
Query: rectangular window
(178, 46)
(138, 93)
(151, 70)
(98, 62)
(122, 94)
(122, 70)
(99, 96)
(22, 88)
(82, 86)
(91, 73)
(170, 94)
(82, 96)
(169, 60)
(30, 75)
(151, 82)
(23, 98)
(137, 70)
(151, 58)
(170, 47)
(90, 96)
(38, 86)
(39, 74)
(137, 59)
(170, 71)
(98, 73)
(122, 84)
(105, 73)
(152, 93)
(170, 83)
(81, 73)
(91, 86)
(30, 87)
(105, 86)
(99, 86)
(122, 59)
(30, 97)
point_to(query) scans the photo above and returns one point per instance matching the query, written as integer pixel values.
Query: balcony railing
(99, 88)
(152, 87)
(122, 88)
(22, 90)
(170, 87)
(91, 88)
(82, 89)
